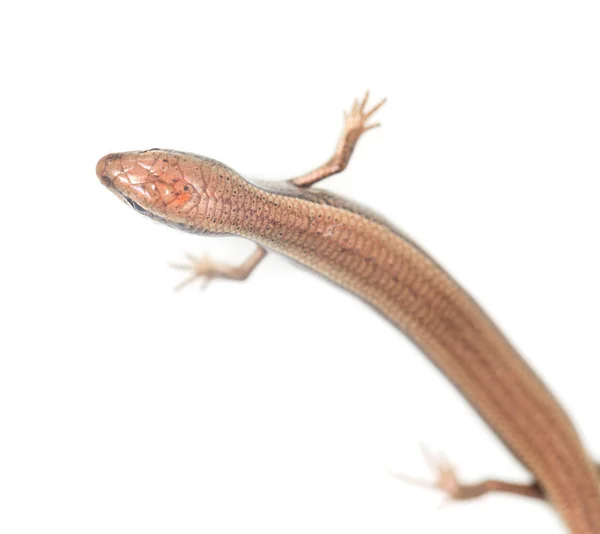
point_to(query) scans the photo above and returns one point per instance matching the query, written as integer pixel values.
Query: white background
(282, 404)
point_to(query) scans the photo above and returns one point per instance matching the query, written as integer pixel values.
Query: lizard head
(176, 188)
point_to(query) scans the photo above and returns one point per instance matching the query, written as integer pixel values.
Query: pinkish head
(172, 187)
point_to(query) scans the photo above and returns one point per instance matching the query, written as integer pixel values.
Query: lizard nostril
(101, 168)
(101, 165)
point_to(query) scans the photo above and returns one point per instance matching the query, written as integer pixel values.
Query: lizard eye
(136, 206)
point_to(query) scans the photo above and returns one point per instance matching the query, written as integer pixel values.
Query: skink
(366, 255)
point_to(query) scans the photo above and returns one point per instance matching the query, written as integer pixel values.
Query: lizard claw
(356, 119)
(445, 477)
(203, 268)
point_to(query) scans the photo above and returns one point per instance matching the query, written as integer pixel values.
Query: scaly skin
(371, 259)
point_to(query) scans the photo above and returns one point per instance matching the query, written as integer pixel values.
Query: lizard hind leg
(447, 481)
